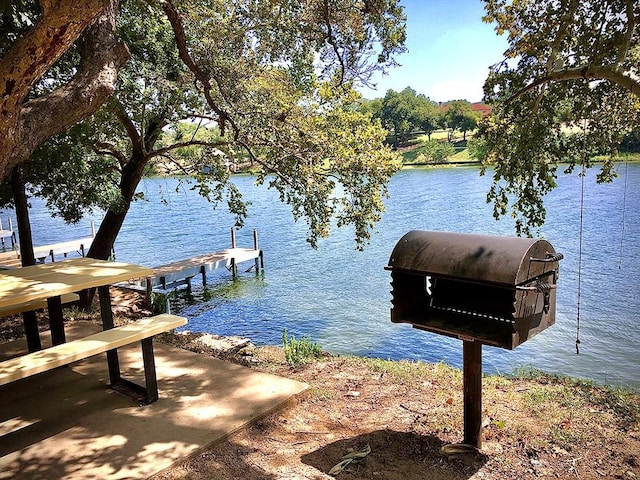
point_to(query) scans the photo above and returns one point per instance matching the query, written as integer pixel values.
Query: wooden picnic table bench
(38, 304)
(141, 331)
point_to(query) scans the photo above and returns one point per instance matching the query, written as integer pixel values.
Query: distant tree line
(403, 113)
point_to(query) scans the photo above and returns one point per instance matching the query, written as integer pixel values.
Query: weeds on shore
(299, 352)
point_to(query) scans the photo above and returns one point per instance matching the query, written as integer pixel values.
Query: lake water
(340, 297)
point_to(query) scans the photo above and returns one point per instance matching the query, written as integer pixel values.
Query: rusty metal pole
(472, 379)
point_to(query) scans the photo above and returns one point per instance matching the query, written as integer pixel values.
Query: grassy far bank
(414, 151)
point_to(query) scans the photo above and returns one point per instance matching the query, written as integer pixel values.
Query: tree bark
(103, 243)
(26, 124)
(21, 205)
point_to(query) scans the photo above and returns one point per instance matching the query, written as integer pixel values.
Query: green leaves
(260, 83)
(279, 75)
(567, 90)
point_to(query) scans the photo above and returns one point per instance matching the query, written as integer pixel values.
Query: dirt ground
(405, 412)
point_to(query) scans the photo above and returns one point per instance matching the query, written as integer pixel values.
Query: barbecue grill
(482, 289)
(499, 291)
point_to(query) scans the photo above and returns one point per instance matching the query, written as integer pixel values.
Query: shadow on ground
(396, 455)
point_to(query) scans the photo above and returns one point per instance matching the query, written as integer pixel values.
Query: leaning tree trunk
(105, 238)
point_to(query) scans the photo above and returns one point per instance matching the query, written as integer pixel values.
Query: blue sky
(450, 51)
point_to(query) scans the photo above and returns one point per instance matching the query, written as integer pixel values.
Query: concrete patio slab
(67, 424)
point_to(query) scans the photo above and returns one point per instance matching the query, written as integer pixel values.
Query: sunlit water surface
(340, 297)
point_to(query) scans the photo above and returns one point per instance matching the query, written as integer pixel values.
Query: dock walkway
(170, 276)
(10, 258)
(181, 272)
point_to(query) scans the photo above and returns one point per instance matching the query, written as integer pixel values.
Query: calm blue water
(340, 297)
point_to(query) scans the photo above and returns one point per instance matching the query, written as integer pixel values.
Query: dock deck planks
(179, 272)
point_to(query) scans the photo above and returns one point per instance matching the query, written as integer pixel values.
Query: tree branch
(631, 25)
(181, 41)
(332, 41)
(163, 151)
(129, 126)
(586, 73)
(105, 148)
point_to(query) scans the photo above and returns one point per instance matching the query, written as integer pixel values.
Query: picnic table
(53, 280)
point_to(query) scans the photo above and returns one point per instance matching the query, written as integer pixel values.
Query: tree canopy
(404, 112)
(567, 89)
(460, 116)
(275, 78)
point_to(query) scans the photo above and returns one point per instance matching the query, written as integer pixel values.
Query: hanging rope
(583, 174)
(624, 209)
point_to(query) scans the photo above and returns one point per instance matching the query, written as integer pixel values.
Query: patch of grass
(462, 156)
(299, 352)
(575, 393)
(407, 371)
(623, 157)
(159, 301)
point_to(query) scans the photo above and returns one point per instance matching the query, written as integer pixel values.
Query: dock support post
(204, 276)
(234, 268)
(147, 291)
(13, 235)
(233, 237)
(255, 247)
(472, 386)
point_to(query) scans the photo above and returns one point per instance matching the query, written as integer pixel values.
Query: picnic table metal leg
(107, 323)
(56, 320)
(30, 323)
(151, 381)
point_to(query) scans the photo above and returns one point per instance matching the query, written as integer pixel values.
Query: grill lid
(479, 258)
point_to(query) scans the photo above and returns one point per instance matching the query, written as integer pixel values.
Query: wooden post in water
(472, 379)
(14, 242)
(234, 267)
(255, 247)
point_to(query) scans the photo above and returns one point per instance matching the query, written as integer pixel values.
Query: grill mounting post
(472, 390)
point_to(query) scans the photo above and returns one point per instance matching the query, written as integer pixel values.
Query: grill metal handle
(551, 257)
(540, 287)
(545, 289)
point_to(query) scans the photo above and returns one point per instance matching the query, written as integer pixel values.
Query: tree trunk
(22, 216)
(27, 257)
(102, 244)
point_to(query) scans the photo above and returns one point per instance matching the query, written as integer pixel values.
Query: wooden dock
(43, 253)
(173, 275)
(8, 233)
